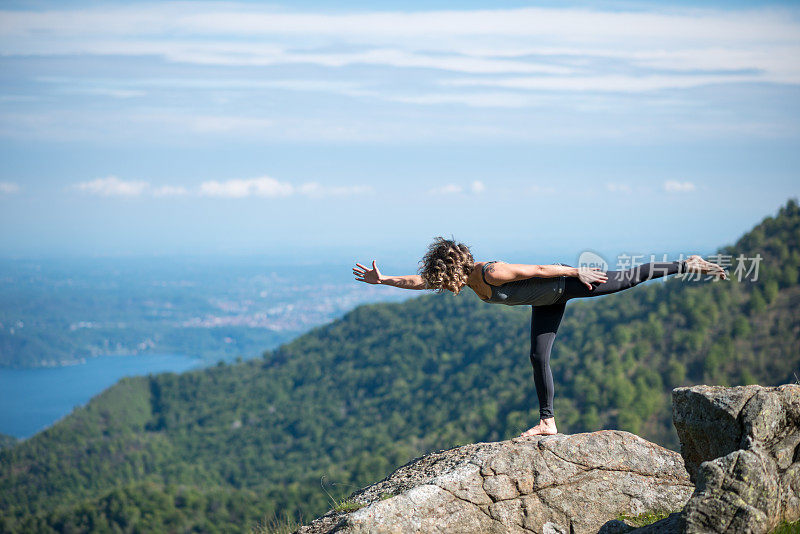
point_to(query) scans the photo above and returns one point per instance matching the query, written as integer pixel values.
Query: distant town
(55, 313)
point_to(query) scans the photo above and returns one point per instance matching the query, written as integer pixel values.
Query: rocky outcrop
(742, 449)
(557, 484)
(740, 446)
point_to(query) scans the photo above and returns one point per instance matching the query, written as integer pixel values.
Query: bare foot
(546, 427)
(696, 264)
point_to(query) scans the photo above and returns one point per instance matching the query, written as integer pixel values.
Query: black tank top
(536, 291)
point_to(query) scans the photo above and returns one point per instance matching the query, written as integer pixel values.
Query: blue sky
(531, 131)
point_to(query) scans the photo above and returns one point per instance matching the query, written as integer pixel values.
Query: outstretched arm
(374, 276)
(499, 273)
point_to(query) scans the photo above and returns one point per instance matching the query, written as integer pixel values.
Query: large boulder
(742, 449)
(740, 445)
(556, 484)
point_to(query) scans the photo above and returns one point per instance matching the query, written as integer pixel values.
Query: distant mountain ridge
(355, 398)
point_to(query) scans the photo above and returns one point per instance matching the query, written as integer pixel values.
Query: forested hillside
(7, 441)
(354, 399)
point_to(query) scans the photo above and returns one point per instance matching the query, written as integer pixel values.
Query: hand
(370, 276)
(594, 274)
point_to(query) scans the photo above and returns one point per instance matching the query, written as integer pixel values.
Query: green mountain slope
(7, 441)
(356, 398)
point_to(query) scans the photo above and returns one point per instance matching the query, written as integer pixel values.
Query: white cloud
(542, 189)
(448, 189)
(548, 60)
(581, 25)
(205, 124)
(270, 187)
(263, 186)
(675, 186)
(477, 100)
(104, 91)
(112, 186)
(618, 188)
(475, 187)
(313, 189)
(8, 187)
(241, 188)
(626, 84)
(756, 44)
(216, 124)
(170, 191)
(249, 55)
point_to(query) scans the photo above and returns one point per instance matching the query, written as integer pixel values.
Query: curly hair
(446, 265)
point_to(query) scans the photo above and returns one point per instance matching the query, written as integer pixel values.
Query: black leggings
(545, 319)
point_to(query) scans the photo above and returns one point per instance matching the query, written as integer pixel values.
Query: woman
(449, 265)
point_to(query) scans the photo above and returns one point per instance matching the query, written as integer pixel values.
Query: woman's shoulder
(483, 265)
(488, 267)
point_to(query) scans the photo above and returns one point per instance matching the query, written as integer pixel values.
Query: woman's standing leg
(544, 326)
(545, 321)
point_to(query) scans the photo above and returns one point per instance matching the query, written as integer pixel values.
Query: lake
(33, 399)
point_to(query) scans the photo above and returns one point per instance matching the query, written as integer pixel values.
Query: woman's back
(534, 291)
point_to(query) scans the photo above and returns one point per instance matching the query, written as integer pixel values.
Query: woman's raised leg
(544, 326)
(621, 280)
